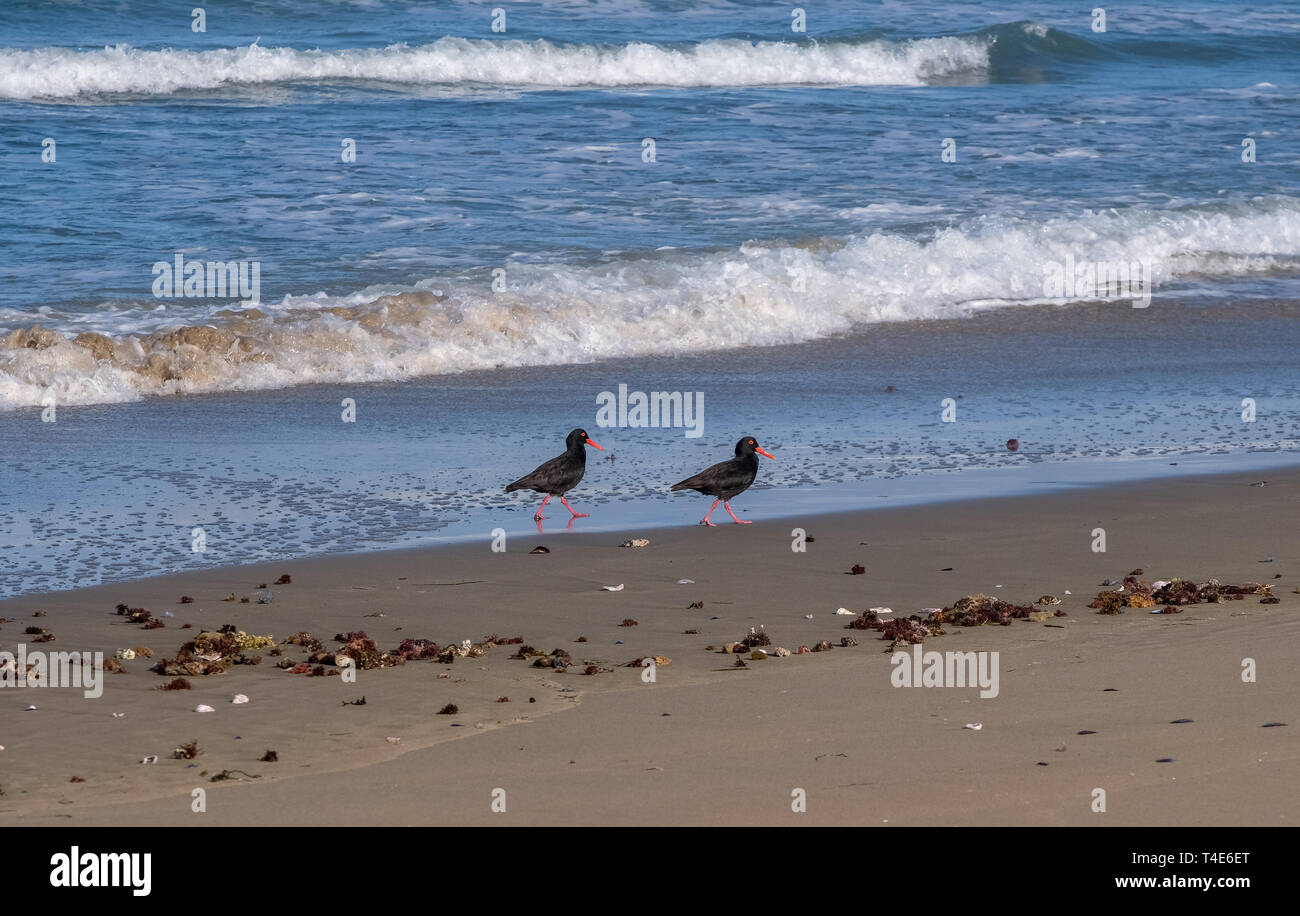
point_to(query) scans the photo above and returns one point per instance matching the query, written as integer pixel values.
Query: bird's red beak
(592, 443)
(765, 454)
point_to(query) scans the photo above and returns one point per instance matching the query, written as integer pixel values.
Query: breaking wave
(672, 302)
(61, 73)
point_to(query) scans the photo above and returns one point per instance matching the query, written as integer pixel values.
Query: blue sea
(883, 238)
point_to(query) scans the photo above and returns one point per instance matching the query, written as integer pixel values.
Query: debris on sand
(418, 649)
(629, 622)
(187, 751)
(612, 588)
(1134, 592)
(780, 652)
(233, 774)
(540, 549)
(757, 637)
(361, 649)
(450, 709)
(135, 614)
(270, 757)
(178, 683)
(285, 579)
(495, 640)
(858, 570)
(636, 542)
(211, 652)
(659, 661)
(186, 599)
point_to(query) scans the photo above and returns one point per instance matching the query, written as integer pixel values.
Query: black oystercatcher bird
(728, 478)
(559, 475)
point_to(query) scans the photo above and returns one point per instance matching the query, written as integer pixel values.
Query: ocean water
(503, 247)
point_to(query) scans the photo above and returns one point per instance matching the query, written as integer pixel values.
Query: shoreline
(706, 743)
(908, 496)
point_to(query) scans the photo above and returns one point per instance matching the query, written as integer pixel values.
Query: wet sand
(707, 743)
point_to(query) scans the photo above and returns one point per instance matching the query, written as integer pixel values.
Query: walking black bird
(727, 478)
(559, 475)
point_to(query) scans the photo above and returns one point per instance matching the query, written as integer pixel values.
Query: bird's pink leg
(570, 508)
(727, 506)
(538, 517)
(705, 520)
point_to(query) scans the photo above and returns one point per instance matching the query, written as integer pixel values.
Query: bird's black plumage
(562, 473)
(726, 479)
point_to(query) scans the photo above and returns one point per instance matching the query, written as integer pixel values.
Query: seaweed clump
(208, 653)
(418, 649)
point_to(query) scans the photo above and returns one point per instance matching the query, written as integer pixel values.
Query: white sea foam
(670, 302)
(61, 73)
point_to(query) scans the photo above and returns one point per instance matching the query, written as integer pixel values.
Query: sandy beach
(706, 742)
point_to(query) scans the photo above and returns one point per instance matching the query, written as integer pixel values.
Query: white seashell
(883, 610)
(239, 698)
(974, 726)
(1068, 592)
(214, 657)
(685, 581)
(843, 612)
(126, 654)
(203, 707)
(391, 740)
(119, 715)
(1155, 586)
(613, 588)
(807, 616)
(30, 708)
(152, 758)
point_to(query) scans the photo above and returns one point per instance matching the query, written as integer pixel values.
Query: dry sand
(707, 744)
